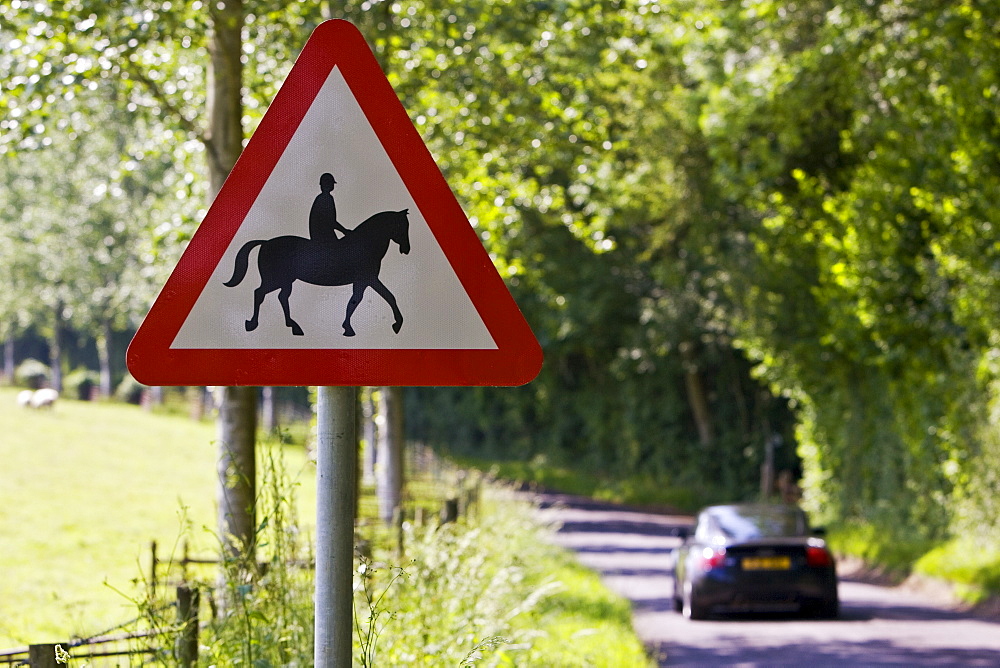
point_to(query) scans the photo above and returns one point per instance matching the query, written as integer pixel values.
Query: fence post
(42, 656)
(153, 561)
(450, 511)
(185, 561)
(472, 499)
(186, 647)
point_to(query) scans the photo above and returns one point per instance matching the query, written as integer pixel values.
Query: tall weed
(267, 616)
(454, 601)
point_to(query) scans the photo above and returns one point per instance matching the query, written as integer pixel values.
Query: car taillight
(712, 557)
(818, 557)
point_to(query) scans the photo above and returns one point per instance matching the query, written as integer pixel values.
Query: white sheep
(24, 398)
(44, 398)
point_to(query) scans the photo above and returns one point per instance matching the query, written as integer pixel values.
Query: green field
(84, 489)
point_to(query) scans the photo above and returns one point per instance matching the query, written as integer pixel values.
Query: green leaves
(849, 158)
(809, 190)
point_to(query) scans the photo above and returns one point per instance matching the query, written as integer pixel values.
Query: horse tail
(242, 262)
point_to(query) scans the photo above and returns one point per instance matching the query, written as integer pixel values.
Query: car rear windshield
(748, 523)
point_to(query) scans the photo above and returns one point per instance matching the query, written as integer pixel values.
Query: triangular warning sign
(335, 254)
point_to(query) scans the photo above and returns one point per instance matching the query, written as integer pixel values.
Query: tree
(237, 421)
(390, 439)
(586, 177)
(851, 165)
(135, 65)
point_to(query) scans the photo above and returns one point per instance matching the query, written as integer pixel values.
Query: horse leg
(258, 298)
(390, 299)
(283, 295)
(359, 291)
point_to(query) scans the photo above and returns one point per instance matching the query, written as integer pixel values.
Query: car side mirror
(819, 532)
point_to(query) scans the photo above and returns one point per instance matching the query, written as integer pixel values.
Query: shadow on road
(621, 526)
(618, 548)
(731, 652)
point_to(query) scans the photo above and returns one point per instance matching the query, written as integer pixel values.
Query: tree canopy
(724, 221)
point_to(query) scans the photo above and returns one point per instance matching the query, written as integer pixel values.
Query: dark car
(754, 558)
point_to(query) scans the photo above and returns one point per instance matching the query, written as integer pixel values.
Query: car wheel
(691, 607)
(829, 609)
(678, 603)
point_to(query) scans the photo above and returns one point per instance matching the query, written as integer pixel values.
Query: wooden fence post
(186, 647)
(450, 511)
(472, 499)
(153, 562)
(42, 656)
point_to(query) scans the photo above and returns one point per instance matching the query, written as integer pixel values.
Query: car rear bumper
(718, 593)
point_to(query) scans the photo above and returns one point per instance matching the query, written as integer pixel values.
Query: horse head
(401, 231)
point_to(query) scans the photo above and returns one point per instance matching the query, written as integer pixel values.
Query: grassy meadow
(84, 489)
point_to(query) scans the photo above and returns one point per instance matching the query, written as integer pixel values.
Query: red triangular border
(518, 358)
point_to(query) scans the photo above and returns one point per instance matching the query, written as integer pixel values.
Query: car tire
(678, 603)
(829, 609)
(691, 607)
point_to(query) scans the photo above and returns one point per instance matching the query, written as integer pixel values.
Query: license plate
(767, 563)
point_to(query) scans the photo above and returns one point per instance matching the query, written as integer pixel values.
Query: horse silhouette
(354, 260)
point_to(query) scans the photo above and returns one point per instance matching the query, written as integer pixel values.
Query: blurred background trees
(729, 224)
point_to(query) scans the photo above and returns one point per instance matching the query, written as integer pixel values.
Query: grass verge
(635, 490)
(495, 592)
(970, 566)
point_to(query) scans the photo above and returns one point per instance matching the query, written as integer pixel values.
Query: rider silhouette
(323, 224)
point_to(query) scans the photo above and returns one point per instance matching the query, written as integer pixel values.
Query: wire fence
(96, 652)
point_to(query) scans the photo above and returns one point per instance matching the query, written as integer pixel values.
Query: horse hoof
(297, 331)
(396, 326)
(348, 331)
(251, 325)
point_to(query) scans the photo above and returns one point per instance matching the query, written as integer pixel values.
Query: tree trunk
(8, 358)
(224, 136)
(697, 399)
(369, 435)
(55, 348)
(237, 470)
(104, 358)
(268, 410)
(390, 452)
(237, 422)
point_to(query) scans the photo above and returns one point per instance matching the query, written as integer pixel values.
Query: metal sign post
(336, 467)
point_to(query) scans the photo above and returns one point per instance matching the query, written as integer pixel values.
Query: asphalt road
(878, 625)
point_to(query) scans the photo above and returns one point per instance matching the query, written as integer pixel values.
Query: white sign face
(335, 137)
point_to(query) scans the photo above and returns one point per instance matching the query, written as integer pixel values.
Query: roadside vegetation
(970, 566)
(637, 489)
(87, 485)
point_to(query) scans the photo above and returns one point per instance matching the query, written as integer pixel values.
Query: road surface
(878, 626)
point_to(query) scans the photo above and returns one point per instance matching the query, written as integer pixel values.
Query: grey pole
(335, 470)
